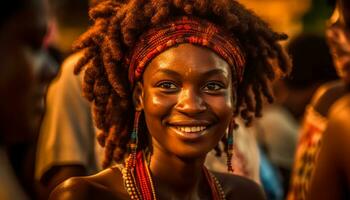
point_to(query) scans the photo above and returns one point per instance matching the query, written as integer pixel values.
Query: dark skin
(338, 38)
(331, 178)
(185, 86)
(56, 175)
(25, 72)
(327, 94)
(100, 186)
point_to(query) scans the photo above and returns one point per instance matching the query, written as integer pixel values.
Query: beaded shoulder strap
(216, 189)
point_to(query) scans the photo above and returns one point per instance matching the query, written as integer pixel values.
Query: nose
(190, 102)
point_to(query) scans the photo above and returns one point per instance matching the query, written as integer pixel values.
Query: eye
(213, 87)
(167, 86)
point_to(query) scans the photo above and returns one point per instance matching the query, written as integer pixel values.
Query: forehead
(187, 59)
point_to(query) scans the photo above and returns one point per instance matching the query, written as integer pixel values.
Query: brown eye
(167, 86)
(213, 86)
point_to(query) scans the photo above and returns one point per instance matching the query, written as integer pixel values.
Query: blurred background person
(67, 139)
(304, 21)
(331, 177)
(25, 72)
(278, 128)
(317, 116)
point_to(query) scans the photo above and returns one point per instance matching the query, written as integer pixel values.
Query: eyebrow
(167, 72)
(214, 72)
(206, 74)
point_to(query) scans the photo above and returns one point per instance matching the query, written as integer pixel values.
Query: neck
(177, 177)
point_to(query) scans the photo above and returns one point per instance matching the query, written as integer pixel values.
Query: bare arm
(57, 175)
(331, 179)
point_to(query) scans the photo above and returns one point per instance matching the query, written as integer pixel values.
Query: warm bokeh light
(283, 15)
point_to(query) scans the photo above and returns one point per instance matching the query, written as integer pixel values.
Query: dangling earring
(134, 140)
(229, 152)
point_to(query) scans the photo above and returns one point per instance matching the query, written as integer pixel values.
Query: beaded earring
(134, 140)
(229, 152)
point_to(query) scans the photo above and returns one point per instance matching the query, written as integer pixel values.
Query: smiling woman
(166, 79)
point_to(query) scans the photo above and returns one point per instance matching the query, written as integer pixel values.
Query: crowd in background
(46, 129)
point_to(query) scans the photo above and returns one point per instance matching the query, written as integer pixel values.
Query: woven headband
(185, 30)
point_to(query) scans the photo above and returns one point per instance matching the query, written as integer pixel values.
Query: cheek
(223, 106)
(156, 107)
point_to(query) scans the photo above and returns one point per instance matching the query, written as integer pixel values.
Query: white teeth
(194, 129)
(191, 129)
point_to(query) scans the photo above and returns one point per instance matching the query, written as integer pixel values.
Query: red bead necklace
(139, 185)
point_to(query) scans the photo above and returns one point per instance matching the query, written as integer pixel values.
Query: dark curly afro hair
(117, 25)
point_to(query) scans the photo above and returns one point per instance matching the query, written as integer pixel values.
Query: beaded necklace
(139, 185)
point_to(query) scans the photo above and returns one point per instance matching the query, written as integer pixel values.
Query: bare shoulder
(107, 184)
(326, 89)
(336, 138)
(341, 105)
(332, 169)
(339, 118)
(326, 95)
(238, 187)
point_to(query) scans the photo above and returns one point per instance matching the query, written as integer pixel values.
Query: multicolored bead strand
(134, 140)
(230, 145)
(216, 189)
(150, 180)
(139, 185)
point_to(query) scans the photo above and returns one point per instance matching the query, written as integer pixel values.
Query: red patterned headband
(185, 30)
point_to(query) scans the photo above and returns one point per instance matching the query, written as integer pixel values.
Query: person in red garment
(320, 118)
(167, 79)
(331, 179)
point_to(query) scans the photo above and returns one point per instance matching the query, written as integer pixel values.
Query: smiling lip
(189, 135)
(190, 130)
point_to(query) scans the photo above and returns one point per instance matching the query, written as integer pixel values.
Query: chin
(191, 151)
(193, 154)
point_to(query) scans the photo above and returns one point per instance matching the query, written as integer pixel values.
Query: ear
(137, 96)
